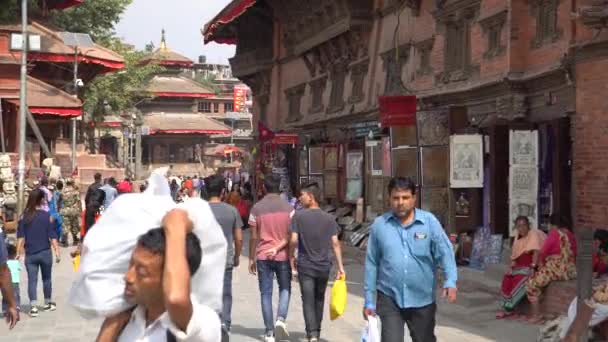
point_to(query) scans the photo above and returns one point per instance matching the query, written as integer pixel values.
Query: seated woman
(556, 262)
(524, 255)
(600, 252)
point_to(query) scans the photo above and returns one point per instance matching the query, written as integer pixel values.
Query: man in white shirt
(158, 282)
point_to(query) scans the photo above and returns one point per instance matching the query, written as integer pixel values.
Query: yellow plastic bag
(76, 262)
(337, 304)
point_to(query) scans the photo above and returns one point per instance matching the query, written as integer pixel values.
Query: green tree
(10, 10)
(208, 82)
(95, 17)
(123, 89)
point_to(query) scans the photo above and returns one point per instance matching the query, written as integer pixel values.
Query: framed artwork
(523, 148)
(354, 164)
(303, 180)
(354, 190)
(522, 207)
(466, 161)
(331, 184)
(523, 181)
(316, 160)
(330, 155)
(303, 162)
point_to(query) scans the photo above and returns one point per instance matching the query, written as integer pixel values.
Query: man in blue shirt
(404, 249)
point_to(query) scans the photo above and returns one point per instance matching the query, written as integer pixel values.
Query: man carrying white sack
(158, 282)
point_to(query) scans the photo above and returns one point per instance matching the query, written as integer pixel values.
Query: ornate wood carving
(512, 106)
(317, 88)
(547, 31)
(258, 82)
(336, 97)
(357, 76)
(391, 6)
(492, 28)
(595, 15)
(393, 61)
(454, 21)
(294, 96)
(424, 48)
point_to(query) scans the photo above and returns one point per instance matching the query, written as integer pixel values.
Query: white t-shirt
(204, 326)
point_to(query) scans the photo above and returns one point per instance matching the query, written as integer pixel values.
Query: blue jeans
(266, 269)
(42, 260)
(227, 300)
(17, 298)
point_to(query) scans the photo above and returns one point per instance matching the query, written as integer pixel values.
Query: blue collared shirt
(401, 260)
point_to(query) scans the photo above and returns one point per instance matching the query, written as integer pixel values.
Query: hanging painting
(316, 160)
(466, 161)
(330, 155)
(354, 164)
(354, 190)
(523, 148)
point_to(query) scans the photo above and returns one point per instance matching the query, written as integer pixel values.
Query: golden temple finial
(163, 42)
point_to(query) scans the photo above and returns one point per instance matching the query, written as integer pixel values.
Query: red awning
(70, 112)
(190, 131)
(286, 139)
(234, 10)
(176, 94)
(49, 57)
(65, 4)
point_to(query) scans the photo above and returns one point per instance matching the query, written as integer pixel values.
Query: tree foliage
(120, 90)
(10, 10)
(96, 17)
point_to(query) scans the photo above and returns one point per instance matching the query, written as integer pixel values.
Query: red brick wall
(591, 144)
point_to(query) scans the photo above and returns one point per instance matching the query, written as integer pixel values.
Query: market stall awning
(63, 4)
(43, 98)
(52, 49)
(175, 86)
(223, 149)
(183, 123)
(230, 13)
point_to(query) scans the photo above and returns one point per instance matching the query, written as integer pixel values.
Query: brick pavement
(471, 319)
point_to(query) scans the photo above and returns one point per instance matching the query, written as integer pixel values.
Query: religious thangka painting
(466, 161)
(316, 160)
(331, 158)
(354, 190)
(523, 148)
(523, 207)
(523, 181)
(354, 164)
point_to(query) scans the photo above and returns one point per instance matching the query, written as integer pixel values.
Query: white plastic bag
(99, 285)
(371, 332)
(599, 315)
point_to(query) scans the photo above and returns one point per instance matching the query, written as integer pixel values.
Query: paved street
(471, 319)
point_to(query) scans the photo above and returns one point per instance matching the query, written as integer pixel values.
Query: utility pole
(74, 119)
(22, 108)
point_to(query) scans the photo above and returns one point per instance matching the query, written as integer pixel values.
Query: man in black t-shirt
(315, 235)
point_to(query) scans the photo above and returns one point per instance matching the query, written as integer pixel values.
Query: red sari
(513, 288)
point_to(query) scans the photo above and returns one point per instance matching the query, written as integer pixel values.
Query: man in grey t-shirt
(315, 233)
(229, 219)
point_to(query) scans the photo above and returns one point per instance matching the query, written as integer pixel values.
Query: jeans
(42, 260)
(266, 269)
(313, 285)
(226, 315)
(17, 298)
(420, 321)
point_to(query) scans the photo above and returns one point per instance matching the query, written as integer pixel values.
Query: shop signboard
(240, 98)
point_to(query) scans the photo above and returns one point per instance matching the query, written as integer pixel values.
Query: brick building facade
(476, 66)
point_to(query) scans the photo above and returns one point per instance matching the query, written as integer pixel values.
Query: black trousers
(420, 321)
(313, 285)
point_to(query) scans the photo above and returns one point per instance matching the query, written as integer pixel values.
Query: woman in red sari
(524, 257)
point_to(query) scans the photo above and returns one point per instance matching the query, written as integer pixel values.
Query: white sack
(99, 285)
(599, 315)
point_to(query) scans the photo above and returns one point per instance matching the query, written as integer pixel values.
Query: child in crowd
(15, 267)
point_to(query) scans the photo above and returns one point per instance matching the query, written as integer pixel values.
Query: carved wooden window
(204, 107)
(492, 28)
(357, 76)
(336, 97)
(228, 107)
(424, 49)
(457, 45)
(545, 12)
(294, 96)
(216, 107)
(394, 60)
(317, 88)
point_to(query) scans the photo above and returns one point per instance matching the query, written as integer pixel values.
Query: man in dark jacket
(94, 200)
(96, 185)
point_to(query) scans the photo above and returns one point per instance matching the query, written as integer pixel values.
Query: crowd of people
(287, 238)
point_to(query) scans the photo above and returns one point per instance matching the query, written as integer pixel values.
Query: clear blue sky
(182, 21)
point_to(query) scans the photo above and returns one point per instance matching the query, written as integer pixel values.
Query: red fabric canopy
(67, 3)
(190, 131)
(70, 112)
(234, 10)
(49, 57)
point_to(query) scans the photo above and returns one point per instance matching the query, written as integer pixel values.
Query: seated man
(158, 282)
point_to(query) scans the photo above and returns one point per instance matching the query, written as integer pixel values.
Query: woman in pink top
(556, 262)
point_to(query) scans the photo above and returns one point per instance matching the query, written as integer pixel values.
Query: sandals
(503, 314)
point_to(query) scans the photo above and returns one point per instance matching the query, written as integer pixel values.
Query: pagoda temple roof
(52, 48)
(183, 123)
(43, 98)
(232, 11)
(177, 86)
(165, 56)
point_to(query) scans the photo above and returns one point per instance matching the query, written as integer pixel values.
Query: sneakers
(268, 338)
(34, 312)
(50, 307)
(313, 339)
(280, 330)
